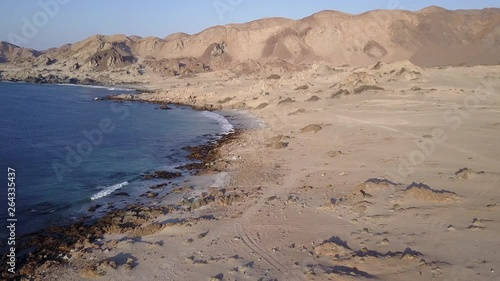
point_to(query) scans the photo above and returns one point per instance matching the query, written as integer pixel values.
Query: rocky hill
(15, 54)
(429, 37)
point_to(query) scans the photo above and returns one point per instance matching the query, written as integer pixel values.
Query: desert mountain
(429, 37)
(12, 53)
(96, 53)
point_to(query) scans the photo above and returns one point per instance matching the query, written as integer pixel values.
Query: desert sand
(366, 166)
(321, 192)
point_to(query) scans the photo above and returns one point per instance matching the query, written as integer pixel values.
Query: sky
(42, 24)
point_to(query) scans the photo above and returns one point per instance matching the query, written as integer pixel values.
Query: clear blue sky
(78, 19)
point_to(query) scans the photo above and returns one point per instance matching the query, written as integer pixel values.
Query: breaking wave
(108, 190)
(221, 120)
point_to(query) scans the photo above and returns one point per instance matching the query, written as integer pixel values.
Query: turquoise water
(70, 151)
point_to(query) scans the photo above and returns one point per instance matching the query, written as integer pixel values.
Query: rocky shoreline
(163, 103)
(56, 80)
(51, 79)
(55, 245)
(318, 193)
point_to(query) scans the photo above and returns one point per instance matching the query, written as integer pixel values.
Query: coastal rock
(98, 269)
(150, 194)
(162, 175)
(147, 230)
(94, 208)
(222, 197)
(159, 186)
(239, 106)
(75, 66)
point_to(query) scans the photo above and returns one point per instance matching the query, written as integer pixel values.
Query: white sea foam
(100, 87)
(108, 190)
(121, 89)
(221, 120)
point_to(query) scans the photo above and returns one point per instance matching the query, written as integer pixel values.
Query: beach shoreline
(50, 245)
(313, 194)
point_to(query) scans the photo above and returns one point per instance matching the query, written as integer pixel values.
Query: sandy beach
(386, 172)
(367, 149)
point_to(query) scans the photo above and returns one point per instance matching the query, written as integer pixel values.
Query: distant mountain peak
(425, 37)
(434, 8)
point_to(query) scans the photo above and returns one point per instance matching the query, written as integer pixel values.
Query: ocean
(71, 151)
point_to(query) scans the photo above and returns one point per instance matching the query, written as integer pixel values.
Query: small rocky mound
(313, 128)
(226, 100)
(286, 101)
(377, 66)
(335, 153)
(363, 88)
(466, 174)
(303, 87)
(261, 106)
(423, 192)
(403, 70)
(358, 78)
(410, 75)
(337, 260)
(297, 112)
(277, 142)
(334, 247)
(313, 98)
(339, 93)
(371, 187)
(274, 76)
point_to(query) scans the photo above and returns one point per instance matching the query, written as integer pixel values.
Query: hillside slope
(429, 37)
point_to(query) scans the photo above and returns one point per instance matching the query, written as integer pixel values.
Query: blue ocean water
(70, 151)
